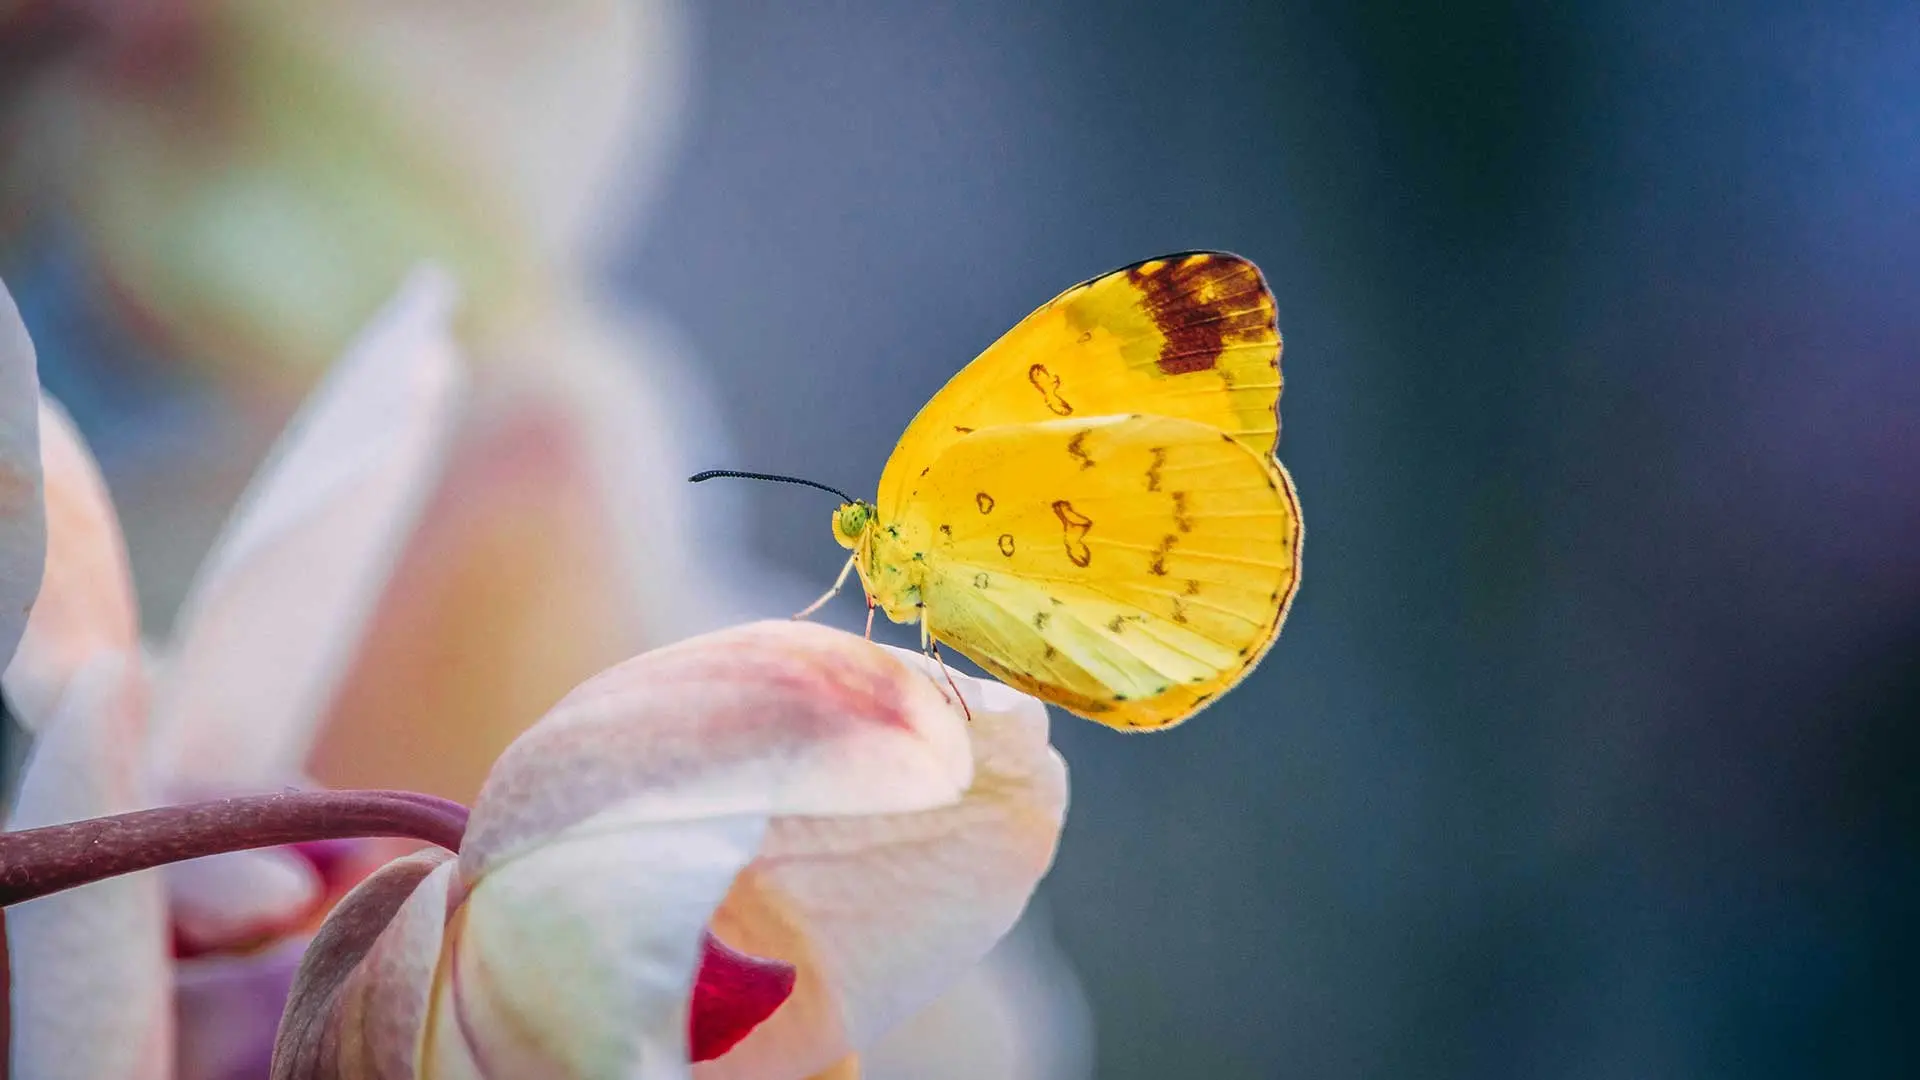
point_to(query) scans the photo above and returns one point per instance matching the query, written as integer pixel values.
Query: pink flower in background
(813, 798)
(228, 704)
(561, 538)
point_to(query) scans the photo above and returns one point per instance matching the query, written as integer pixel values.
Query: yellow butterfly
(1091, 510)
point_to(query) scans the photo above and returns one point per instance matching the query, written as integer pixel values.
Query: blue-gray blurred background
(1588, 750)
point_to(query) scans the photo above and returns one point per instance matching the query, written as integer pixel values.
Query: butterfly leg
(838, 583)
(870, 607)
(932, 648)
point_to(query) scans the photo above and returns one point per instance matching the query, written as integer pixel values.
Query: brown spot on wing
(1006, 544)
(1203, 304)
(984, 501)
(1041, 619)
(1153, 471)
(1049, 386)
(1158, 566)
(1074, 527)
(1077, 449)
(1193, 587)
(1181, 520)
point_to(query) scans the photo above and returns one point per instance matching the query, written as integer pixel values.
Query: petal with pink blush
(1017, 1015)
(91, 967)
(360, 997)
(881, 914)
(236, 900)
(563, 538)
(23, 533)
(280, 604)
(867, 842)
(762, 720)
(86, 601)
(504, 599)
(847, 1068)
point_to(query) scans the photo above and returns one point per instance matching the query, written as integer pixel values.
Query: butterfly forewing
(1190, 335)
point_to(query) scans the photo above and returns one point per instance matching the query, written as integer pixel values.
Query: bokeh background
(1589, 748)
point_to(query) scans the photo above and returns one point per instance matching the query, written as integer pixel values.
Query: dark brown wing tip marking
(1204, 302)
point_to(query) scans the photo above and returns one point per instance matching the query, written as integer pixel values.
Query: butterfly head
(852, 521)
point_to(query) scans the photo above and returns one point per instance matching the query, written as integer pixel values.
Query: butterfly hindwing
(1190, 335)
(1127, 568)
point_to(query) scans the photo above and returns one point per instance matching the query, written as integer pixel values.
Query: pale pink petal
(881, 914)
(228, 1009)
(1017, 1015)
(360, 999)
(766, 719)
(281, 602)
(23, 531)
(638, 424)
(86, 602)
(609, 832)
(505, 599)
(566, 941)
(92, 989)
(562, 540)
(241, 898)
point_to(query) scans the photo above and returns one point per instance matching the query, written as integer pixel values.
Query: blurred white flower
(228, 704)
(256, 176)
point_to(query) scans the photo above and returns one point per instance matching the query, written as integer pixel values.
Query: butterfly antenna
(775, 477)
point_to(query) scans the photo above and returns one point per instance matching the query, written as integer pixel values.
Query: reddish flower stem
(37, 862)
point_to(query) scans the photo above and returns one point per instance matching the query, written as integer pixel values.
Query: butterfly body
(1091, 510)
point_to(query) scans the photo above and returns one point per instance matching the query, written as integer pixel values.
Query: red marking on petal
(733, 994)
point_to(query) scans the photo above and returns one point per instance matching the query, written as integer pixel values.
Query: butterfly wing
(1190, 335)
(1127, 568)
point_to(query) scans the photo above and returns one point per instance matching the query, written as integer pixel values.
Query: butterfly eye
(851, 519)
